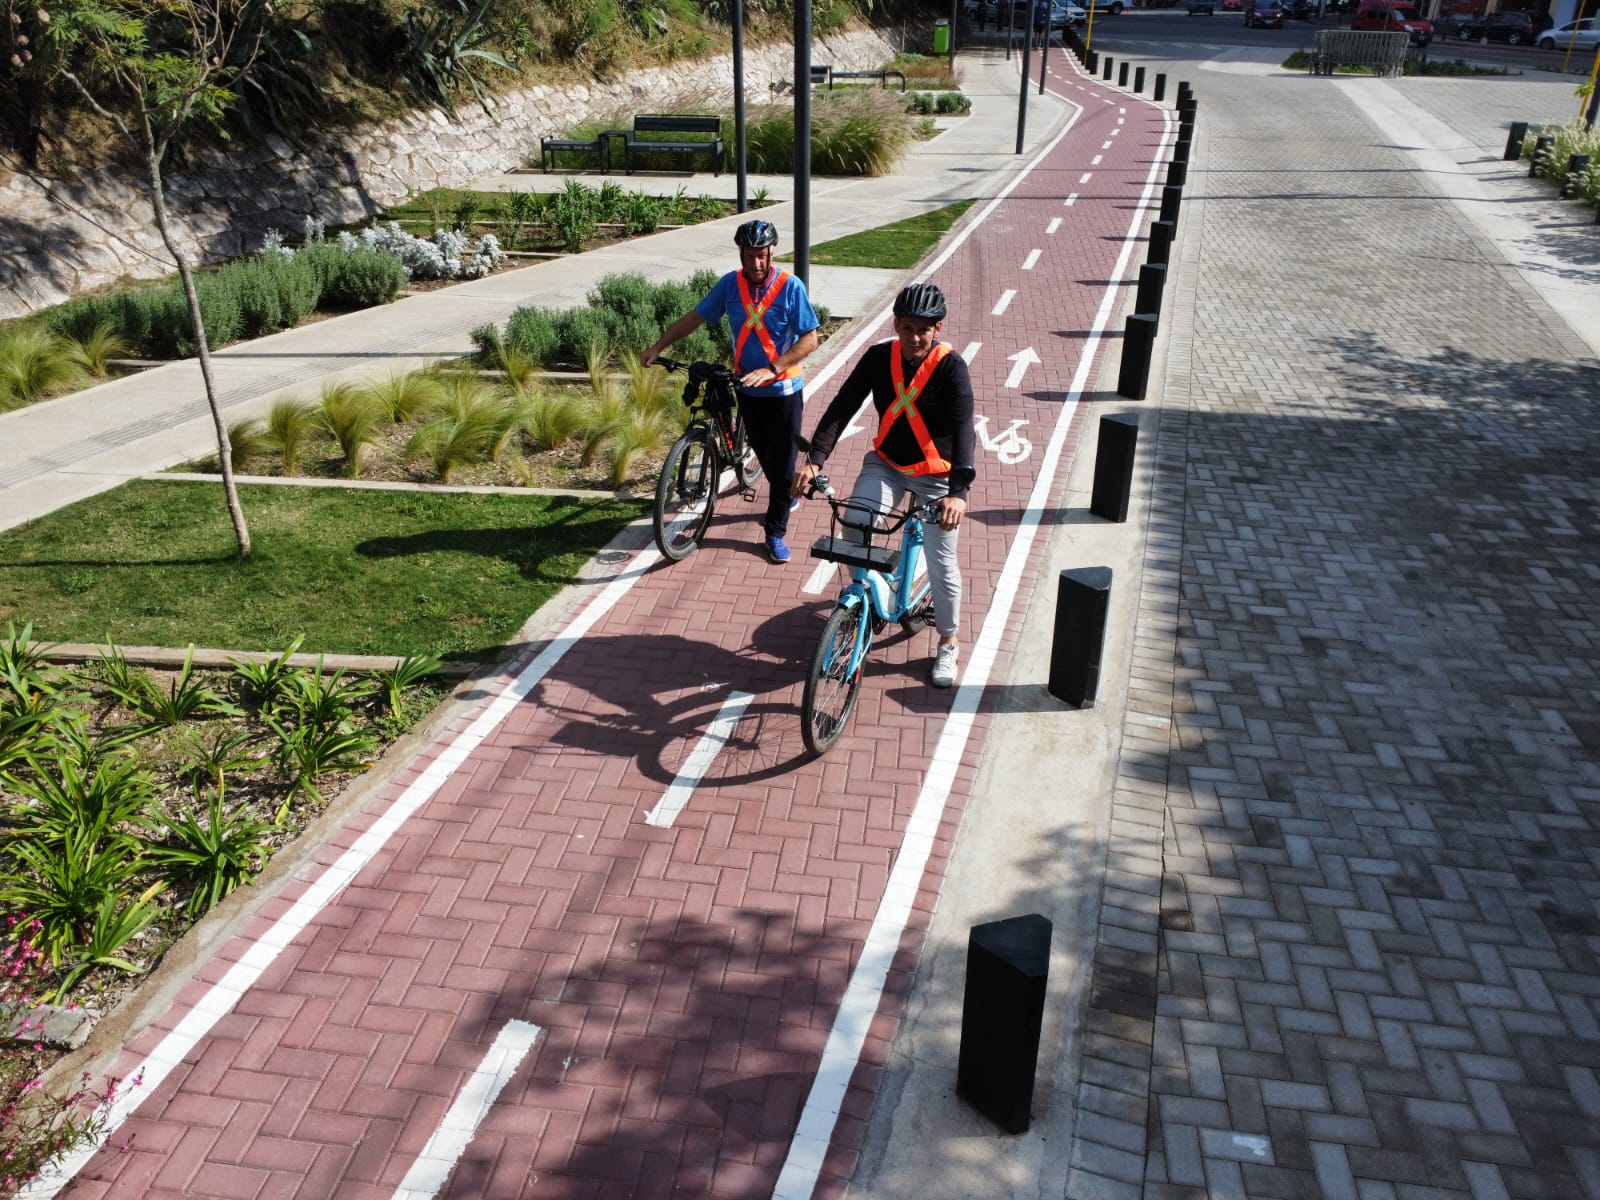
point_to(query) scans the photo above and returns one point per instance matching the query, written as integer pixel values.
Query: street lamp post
(802, 141)
(738, 105)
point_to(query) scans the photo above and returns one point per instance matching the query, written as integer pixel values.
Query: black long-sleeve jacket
(945, 405)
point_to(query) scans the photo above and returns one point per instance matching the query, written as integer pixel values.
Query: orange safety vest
(755, 320)
(905, 404)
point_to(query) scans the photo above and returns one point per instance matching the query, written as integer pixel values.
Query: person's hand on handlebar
(803, 475)
(649, 357)
(951, 510)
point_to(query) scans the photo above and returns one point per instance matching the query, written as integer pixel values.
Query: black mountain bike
(713, 442)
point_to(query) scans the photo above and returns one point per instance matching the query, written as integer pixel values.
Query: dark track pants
(771, 423)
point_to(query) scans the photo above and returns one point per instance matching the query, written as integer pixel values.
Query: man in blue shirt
(774, 328)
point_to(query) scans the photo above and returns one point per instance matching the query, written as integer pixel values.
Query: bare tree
(151, 68)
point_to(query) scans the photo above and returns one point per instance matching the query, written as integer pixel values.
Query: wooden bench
(1359, 48)
(634, 146)
(881, 76)
(550, 147)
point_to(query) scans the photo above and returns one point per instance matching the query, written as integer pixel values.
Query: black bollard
(1138, 339)
(1171, 197)
(1138, 80)
(1185, 140)
(1519, 132)
(1083, 597)
(1160, 248)
(1152, 282)
(1002, 1011)
(1177, 172)
(1122, 74)
(1541, 151)
(1113, 465)
(1091, 64)
(1106, 72)
(1160, 92)
(1577, 167)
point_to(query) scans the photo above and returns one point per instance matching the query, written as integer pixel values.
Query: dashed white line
(1084, 178)
(1055, 224)
(1033, 258)
(1071, 199)
(1095, 161)
(1105, 145)
(1005, 302)
(971, 352)
(716, 736)
(449, 1142)
(818, 579)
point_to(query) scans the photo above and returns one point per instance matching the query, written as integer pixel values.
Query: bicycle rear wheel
(831, 686)
(686, 494)
(746, 466)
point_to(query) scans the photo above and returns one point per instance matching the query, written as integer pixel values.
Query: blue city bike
(692, 475)
(887, 583)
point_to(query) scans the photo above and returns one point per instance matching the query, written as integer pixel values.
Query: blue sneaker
(794, 504)
(777, 551)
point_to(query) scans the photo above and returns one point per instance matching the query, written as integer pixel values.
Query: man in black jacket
(923, 397)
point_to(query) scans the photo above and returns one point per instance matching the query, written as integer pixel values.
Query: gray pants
(881, 487)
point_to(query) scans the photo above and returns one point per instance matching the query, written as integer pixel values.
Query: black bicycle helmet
(921, 300)
(756, 234)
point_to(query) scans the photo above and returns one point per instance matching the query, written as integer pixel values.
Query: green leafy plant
(207, 857)
(81, 793)
(226, 752)
(405, 674)
(264, 681)
(185, 698)
(323, 700)
(114, 926)
(310, 750)
(65, 885)
(444, 47)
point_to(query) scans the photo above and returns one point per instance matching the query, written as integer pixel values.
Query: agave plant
(443, 44)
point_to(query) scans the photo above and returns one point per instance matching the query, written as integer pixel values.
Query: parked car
(1206, 8)
(1512, 28)
(1064, 13)
(1263, 12)
(1392, 15)
(1299, 10)
(1235, 5)
(1580, 35)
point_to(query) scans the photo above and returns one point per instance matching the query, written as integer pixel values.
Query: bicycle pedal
(748, 495)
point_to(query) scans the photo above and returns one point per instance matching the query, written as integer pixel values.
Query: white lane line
(1032, 259)
(1072, 198)
(1005, 302)
(1095, 161)
(864, 992)
(1106, 145)
(716, 736)
(818, 579)
(449, 1142)
(1084, 178)
(971, 352)
(1055, 224)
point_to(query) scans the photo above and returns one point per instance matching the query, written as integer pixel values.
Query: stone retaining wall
(59, 238)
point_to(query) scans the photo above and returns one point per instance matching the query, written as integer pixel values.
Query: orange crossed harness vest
(755, 320)
(905, 404)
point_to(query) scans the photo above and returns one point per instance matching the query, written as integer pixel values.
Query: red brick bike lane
(688, 995)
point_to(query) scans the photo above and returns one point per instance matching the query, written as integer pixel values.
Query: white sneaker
(944, 664)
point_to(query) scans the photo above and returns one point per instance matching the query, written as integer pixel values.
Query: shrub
(532, 331)
(355, 277)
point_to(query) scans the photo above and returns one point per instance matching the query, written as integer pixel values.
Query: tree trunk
(224, 448)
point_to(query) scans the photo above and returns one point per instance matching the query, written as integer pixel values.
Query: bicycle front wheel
(686, 494)
(831, 686)
(746, 466)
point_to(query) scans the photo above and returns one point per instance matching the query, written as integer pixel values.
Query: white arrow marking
(699, 762)
(1005, 302)
(1029, 262)
(1021, 361)
(432, 1169)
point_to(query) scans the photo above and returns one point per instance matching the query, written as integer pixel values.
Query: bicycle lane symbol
(1009, 446)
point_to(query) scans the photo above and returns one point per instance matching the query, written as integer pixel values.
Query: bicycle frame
(887, 597)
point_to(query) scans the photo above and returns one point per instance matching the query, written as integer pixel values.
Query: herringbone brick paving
(1374, 529)
(684, 978)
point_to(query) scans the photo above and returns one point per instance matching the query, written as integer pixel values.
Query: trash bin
(941, 36)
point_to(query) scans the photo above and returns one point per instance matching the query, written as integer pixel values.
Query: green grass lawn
(899, 246)
(356, 572)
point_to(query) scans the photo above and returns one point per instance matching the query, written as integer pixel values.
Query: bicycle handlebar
(883, 523)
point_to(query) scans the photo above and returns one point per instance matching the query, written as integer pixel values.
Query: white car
(1580, 35)
(1062, 15)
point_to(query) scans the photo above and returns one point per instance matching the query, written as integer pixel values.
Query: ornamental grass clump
(34, 362)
